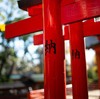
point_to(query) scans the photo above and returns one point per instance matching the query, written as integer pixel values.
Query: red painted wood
(34, 10)
(90, 28)
(23, 27)
(98, 61)
(97, 49)
(88, 21)
(38, 39)
(78, 0)
(70, 13)
(66, 2)
(66, 32)
(78, 63)
(54, 70)
(80, 10)
(25, 4)
(98, 38)
(83, 9)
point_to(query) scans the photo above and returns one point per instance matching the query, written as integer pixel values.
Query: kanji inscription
(49, 47)
(75, 54)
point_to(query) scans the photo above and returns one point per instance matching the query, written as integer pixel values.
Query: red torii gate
(77, 11)
(90, 28)
(71, 11)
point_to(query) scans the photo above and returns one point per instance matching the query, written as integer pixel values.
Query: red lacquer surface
(23, 27)
(90, 28)
(38, 8)
(78, 63)
(70, 13)
(54, 71)
(38, 39)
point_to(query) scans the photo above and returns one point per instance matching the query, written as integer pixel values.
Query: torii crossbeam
(73, 12)
(90, 28)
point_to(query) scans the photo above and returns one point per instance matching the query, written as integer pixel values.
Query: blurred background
(21, 63)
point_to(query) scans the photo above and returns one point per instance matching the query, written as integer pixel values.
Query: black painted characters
(50, 47)
(75, 54)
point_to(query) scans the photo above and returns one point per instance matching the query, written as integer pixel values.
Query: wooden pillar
(54, 71)
(78, 63)
(97, 49)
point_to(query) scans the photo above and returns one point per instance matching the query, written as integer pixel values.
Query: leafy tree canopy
(9, 13)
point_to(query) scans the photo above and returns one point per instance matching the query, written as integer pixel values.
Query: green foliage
(9, 60)
(39, 52)
(2, 16)
(9, 13)
(5, 79)
(92, 75)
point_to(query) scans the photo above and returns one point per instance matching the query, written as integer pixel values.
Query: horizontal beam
(90, 28)
(38, 39)
(84, 9)
(74, 12)
(24, 4)
(34, 10)
(23, 27)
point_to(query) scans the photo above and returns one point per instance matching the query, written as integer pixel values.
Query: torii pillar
(97, 49)
(54, 71)
(78, 63)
